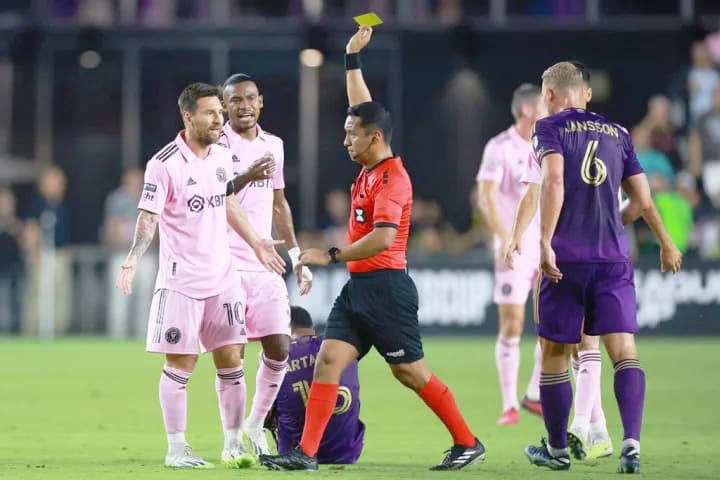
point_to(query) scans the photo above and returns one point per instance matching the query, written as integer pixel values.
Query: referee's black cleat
(293, 460)
(460, 456)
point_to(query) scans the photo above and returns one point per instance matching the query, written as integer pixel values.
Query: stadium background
(88, 92)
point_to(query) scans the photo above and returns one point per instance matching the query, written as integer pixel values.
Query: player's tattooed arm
(144, 233)
(145, 229)
(283, 223)
(357, 90)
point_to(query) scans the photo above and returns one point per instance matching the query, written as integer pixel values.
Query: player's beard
(208, 137)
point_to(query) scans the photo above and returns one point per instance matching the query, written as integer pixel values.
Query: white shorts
(268, 306)
(184, 325)
(513, 286)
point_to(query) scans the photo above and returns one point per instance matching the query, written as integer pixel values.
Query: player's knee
(408, 376)
(186, 363)
(277, 350)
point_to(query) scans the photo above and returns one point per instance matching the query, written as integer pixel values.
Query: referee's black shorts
(378, 309)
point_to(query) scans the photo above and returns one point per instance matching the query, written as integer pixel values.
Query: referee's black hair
(300, 318)
(373, 115)
(238, 78)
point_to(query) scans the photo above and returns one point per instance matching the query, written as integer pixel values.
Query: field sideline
(88, 409)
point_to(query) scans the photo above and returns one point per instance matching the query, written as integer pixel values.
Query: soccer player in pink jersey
(500, 191)
(199, 302)
(267, 309)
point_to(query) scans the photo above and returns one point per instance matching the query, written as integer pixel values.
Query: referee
(378, 306)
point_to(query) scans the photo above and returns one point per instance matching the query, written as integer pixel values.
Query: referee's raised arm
(357, 89)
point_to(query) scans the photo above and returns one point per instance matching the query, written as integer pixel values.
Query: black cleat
(460, 456)
(541, 457)
(629, 461)
(293, 460)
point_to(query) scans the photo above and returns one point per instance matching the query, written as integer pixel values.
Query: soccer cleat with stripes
(532, 406)
(599, 446)
(236, 457)
(577, 444)
(256, 441)
(541, 457)
(629, 460)
(460, 456)
(186, 459)
(293, 460)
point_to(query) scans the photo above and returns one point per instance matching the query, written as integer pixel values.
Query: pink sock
(533, 388)
(507, 359)
(173, 399)
(587, 387)
(575, 368)
(231, 391)
(268, 380)
(597, 415)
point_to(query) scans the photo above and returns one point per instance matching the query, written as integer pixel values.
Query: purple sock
(630, 395)
(556, 397)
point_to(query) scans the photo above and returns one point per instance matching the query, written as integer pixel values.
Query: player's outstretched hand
(511, 247)
(304, 278)
(268, 256)
(360, 40)
(314, 256)
(126, 276)
(670, 258)
(548, 264)
(262, 169)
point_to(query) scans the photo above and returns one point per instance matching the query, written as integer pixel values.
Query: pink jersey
(188, 193)
(533, 172)
(256, 199)
(504, 162)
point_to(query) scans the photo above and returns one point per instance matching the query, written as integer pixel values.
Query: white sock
(557, 452)
(176, 443)
(599, 429)
(581, 426)
(252, 422)
(233, 438)
(630, 442)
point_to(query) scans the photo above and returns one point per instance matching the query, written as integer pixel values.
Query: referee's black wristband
(352, 61)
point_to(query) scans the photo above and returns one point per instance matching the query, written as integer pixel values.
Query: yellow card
(368, 20)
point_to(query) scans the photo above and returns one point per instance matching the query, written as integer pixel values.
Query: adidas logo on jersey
(191, 182)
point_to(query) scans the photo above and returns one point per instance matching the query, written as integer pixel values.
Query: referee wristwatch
(333, 254)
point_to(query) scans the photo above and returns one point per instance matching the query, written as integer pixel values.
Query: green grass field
(88, 409)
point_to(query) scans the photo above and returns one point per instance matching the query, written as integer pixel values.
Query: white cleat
(257, 441)
(236, 457)
(186, 459)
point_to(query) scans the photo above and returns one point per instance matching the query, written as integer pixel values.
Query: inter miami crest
(221, 175)
(173, 335)
(506, 289)
(359, 215)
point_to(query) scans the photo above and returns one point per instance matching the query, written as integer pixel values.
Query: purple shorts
(601, 294)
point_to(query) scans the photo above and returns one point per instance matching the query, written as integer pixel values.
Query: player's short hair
(300, 318)
(187, 101)
(373, 115)
(524, 94)
(564, 75)
(238, 78)
(584, 70)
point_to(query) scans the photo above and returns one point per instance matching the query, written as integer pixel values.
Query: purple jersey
(598, 156)
(343, 438)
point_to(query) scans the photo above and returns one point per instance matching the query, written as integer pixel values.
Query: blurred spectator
(702, 80)
(47, 211)
(337, 209)
(11, 263)
(121, 211)
(659, 122)
(431, 233)
(704, 149)
(656, 165)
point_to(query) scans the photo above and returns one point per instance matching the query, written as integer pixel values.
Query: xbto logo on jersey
(196, 203)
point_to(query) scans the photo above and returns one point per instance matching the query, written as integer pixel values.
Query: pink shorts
(513, 286)
(184, 325)
(268, 306)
